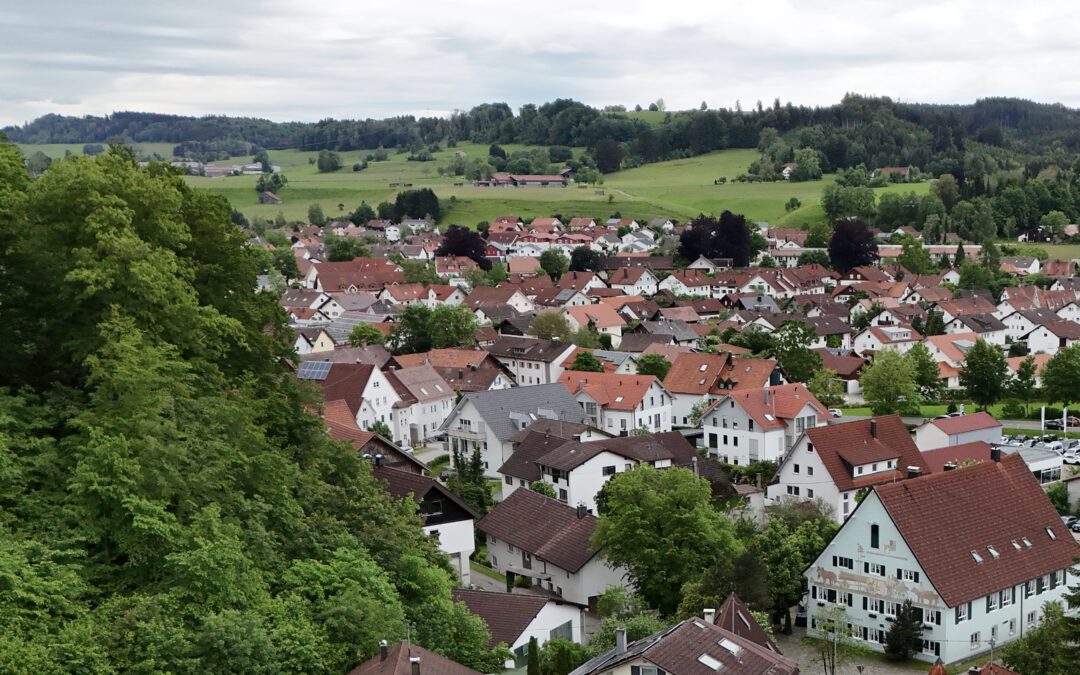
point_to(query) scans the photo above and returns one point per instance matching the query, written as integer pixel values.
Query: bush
(951, 408)
(1013, 409)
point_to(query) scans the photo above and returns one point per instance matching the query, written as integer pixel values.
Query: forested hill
(858, 130)
(168, 501)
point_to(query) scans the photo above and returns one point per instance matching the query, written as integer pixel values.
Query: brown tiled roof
(555, 533)
(444, 358)
(401, 484)
(735, 616)
(936, 459)
(567, 430)
(486, 296)
(842, 445)
(687, 377)
(670, 445)
(638, 342)
(602, 315)
(964, 423)
(363, 273)
(397, 663)
(844, 366)
(1064, 329)
(534, 445)
(744, 372)
(943, 517)
(688, 314)
(346, 381)
(529, 349)
(507, 615)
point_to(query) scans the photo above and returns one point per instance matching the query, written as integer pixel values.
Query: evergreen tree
(904, 637)
(533, 664)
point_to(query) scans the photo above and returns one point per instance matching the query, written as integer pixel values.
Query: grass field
(677, 189)
(59, 150)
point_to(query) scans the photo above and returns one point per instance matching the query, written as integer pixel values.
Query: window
(1032, 617)
(875, 569)
(1007, 596)
(809, 493)
(646, 670)
(750, 425)
(908, 575)
(809, 447)
(841, 561)
(562, 495)
(1012, 626)
(975, 640)
(795, 468)
(963, 612)
(993, 634)
(509, 480)
(510, 547)
(875, 605)
(875, 532)
(809, 471)
(991, 602)
(793, 490)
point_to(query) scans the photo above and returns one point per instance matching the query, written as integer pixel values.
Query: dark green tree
(586, 362)
(798, 360)
(653, 364)
(584, 259)
(851, 245)
(533, 660)
(328, 161)
(984, 374)
(364, 334)
(554, 263)
(815, 258)
(1060, 375)
(904, 637)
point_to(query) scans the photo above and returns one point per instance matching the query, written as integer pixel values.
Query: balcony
(467, 434)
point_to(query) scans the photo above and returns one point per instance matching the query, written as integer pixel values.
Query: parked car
(1068, 520)
(1071, 444)
(446, 474)
(1054, 424)
(1075, 527)
(1070, 458)
(836, 412)
(1055, 446)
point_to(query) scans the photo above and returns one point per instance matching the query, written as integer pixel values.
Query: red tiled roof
(735, 616)
(943, 517)
(687, 377)
(601, 315)
(507, 615)
(782, 402)
(555, 532)
(609, 390)
(965, 423)
(402, 484)
(444, 358)
(936, 459)
(840, 446)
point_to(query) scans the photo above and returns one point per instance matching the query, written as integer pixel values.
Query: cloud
(289, 60)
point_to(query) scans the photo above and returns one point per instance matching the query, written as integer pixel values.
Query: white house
(986, 326)
(876, 338)
(547, 542)
(1050, 337)
(836, 463)
(619, 404)
(601, 317)
(958, 430)
(517, 618)
(687, 282)
(532, 361)
(754, 425)
(366, 390)
(425, 401)
(978, 568)
(634, 281)
(1021, 322)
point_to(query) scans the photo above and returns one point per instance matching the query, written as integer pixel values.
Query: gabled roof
(649, 448)
(769, 407)
(362, 273)
(397, 663)
(534, 445)
(507, 615)
(346, 381)
(609, 390)
(954, 346)
(555, 533)
(936, 459)
(508, 411)
(485, 296)
(422, 382)
(943, 517)
(627, 276)
(601, 315)
(744, 372)
(402, 484)
(529, 349)
(841, 447)
(694, 373)
(965, 423)
(735, 616)
(454, 357)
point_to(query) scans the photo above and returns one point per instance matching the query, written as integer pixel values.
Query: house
(978, 567)
(341, 426)
(958, 430)
(633, 281)
(950, 457)
(876, 338)
(485, 421)
(839, 462)
(675, 331)
(531, 361)
(503, 295)
(986, 326)
(736, 617)
(523, 265)
(578, 471)
(581, 281)
(601, 317)
(711, 265)
(447, 518)
(690, 380)
(406, 658)
(846, 364)
(514, 619)
(619, 404)
(464, 369)
(548, 543)
(751, 426)
(312, 340)
(949, 352)
(359, 275)
(1021, 322)
(364, 388)
(305, 298)
(691, 647)
(453, 267)
(425, 399)
(1052, 336)
(267, 197)
(375, 355)
(687, 282)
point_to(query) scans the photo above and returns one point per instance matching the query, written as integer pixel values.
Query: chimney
(974, 670)
(694, 460)
(914, 472)
(414, 665)
(995, 454)
(620, 641)
(378, 460)
(950, 466)
(757, 480)
(709, 615)
(581, 511)
(873, 428)
(383, 650)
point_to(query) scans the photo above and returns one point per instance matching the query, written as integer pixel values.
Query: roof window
(1027, 543)
(729, 645)
(1051, 533)
(1015, 545)
(993, 551)
(709, 661)
(976, 556)
(618, 399)
(703, 367)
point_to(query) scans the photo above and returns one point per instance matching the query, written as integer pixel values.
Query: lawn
(59, 150)
(935, 409)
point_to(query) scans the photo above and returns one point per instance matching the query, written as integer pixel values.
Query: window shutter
(988, 604)
(635, 670)
(899, 573)
(834, 561)
(956, 615)
(813, 592)
(850, 600)
(864, 603)
(866, 568)
(916, 577)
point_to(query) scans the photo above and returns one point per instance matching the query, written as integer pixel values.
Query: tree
(608, 156)
(554, 263)
(851, 245)
(543, 487)
(836, 638)
(826, 387)
(889, 384)
(904, 637)
(586, 362)
(661, 525)
(935, 323)
(817, 236)
(362, 214)
(1055, 222)
(533, 660)
(584, 259)
(840, 202)
(808, 167)
(560, 656)
(419, 203)
(927, 374)
(728, 237)
(653, 364)
(421, 329)
(328, 161)
(946, 189)
(37, 163)
(1022, 386)
(344, 249)
(364, 334)
(814, 258)
(1060, 375)
(984, 374)
(461, 241)
(958, 260)
(315, 215)
(914, 258)
(380, 428)
(1049, 648)
(548, 325)
(793, 340)
(419, 272)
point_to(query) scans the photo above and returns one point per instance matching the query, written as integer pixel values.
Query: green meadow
(677, 189)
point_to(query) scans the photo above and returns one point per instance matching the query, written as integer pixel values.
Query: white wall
(592, 579)
(586, 480)
(456, 538)
(551, 616)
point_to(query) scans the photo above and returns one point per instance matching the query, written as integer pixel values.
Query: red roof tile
(842, 446)
(965, 423)
(397, 663)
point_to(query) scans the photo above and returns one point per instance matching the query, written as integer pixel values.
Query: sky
(347, 59)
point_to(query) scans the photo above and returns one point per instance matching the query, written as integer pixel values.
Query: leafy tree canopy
(851, 245)
(653, 364)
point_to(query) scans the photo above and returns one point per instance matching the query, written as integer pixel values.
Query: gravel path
(806, 657)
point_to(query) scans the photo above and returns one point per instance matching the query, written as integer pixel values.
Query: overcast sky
(292, 60)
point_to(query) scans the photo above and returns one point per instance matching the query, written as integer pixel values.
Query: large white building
(978, 551)
(620, 404)
(760, 424)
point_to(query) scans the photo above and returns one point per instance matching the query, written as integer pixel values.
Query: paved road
(1012, 424)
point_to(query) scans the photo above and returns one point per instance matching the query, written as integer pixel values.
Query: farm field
(678, 189)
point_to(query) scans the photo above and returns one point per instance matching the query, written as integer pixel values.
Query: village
(628, 358)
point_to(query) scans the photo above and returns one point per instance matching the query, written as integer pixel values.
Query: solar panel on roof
(314, 370)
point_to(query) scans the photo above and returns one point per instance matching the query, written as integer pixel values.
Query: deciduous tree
(984, 374)
(364, 334)
(1061, 374)
(889, 384)
(851, 245)
(586, 362)
(653, 364)
(554, 263)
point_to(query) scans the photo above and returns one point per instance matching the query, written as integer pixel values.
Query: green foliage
(927, 375)
(619, 602)
(382, 429)
(826, 387)
(420, 203)
(653, 364)
(344, 249)
(815, 258)
(364, 334)
(586, 361)
(889, 384)
(554, 263)
(847, 202)
(1060, 375)
(328, 161)
(726, 237)
(985, 374)
(543, 487)
(469, 482)
(271, 182)
(851, 245)
(837, 644)
(421, 329)
(904, 637)
(798, 360)
(584, 259)
(167, 502)
(662, 527)
(533, 660)
(637, 626)
(1022, 386)
(547, 325)
(560, 656)
(1058, 494)
(914, 258)
(420, 272)
(1049, 648)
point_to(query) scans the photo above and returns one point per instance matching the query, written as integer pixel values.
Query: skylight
(730, 646)
(618, 399)
(703, 367)
(1015, 545)
(1026, 542)
(978, 558)
(438, 387)
(770, 417)
(701, 381)
(709, 661)
(1051, 533)
(993, 551)
(423, 391)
